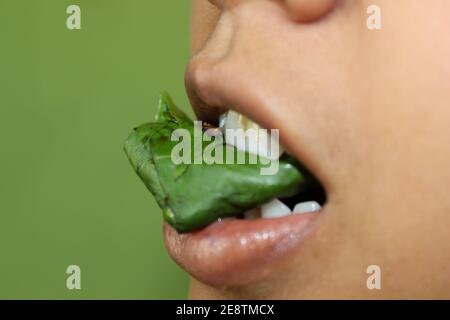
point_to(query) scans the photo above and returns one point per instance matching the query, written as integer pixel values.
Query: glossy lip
(235, 252)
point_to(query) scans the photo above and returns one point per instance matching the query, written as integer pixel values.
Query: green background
(68, 99)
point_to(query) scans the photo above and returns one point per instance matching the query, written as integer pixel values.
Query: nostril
(307, 10)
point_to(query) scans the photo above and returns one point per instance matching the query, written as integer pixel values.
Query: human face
(366, 111)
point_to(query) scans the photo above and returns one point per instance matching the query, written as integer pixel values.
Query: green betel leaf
(192, 195)
(168, 111)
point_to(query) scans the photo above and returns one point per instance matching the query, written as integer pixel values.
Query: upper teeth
(257, 140)
(276, 209)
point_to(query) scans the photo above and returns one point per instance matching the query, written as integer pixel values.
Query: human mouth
(196, 182)
(240, 221)
(262, 144)
(240, 250)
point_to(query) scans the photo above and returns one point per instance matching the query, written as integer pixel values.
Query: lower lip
(235, 252)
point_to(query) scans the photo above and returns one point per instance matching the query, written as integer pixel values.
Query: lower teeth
(277, 209)
(306, 207)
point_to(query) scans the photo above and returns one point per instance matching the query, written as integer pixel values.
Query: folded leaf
(194, 195)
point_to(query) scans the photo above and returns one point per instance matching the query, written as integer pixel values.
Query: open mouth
(226, 223)
(250, 246)
(310, 199)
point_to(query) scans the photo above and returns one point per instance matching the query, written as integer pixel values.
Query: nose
(208, 70)
(225, 72)
(300, 10)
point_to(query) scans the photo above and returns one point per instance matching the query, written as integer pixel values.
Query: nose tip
(200, 81)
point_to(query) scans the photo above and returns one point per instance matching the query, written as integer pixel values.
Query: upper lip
(233, 252)
(210, 97)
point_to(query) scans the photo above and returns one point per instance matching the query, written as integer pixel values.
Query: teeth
(261, 142)
(277, 209)
(274, 209)
(306, 207)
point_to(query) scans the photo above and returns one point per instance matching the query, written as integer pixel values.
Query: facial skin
(366, 111)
